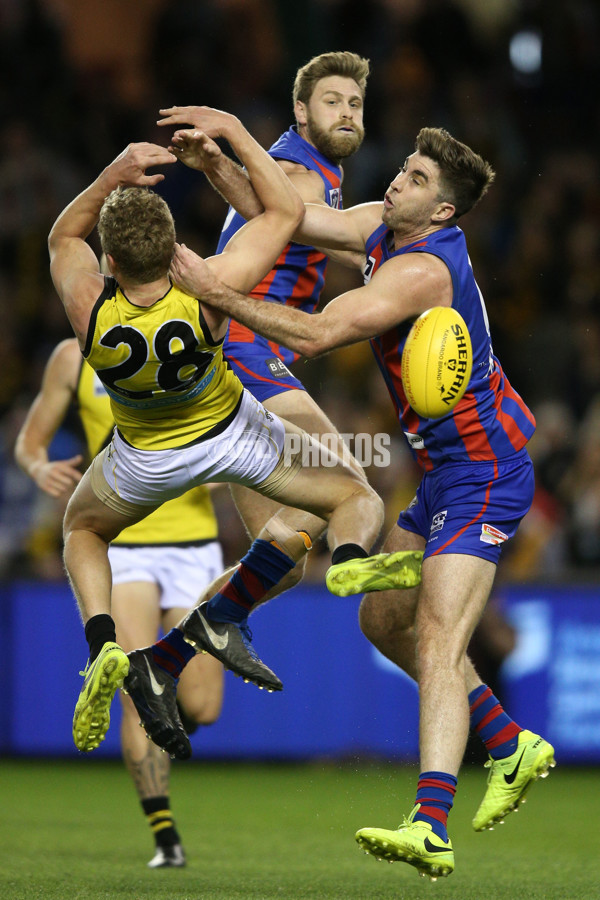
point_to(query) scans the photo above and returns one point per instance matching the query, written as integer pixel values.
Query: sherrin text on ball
(436, 362)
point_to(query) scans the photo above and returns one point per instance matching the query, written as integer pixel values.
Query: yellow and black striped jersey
(187, 519)
(166, 377)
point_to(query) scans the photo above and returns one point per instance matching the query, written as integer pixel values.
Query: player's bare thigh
(300, 409)
(85, 511)
(454, 591)
(326, 488)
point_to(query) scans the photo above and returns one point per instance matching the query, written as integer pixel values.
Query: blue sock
(172, 653)
(435, 793)
(495, 728)
(263, 566)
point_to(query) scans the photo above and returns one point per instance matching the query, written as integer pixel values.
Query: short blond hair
(343, 63)
(137, 229)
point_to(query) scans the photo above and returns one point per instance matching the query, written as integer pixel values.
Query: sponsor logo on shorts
(277, 368)
(491, 535)
(437, 523)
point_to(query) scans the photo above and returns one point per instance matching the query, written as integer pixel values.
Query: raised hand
(129, 168)
(195, 149)
(213, 122)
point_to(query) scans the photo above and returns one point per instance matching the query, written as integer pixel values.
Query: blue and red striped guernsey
(298, 275)
(491, 421)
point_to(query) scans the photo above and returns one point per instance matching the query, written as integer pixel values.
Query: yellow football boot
(511, 778)
(101, 680)
(414, 843)
(383, 572)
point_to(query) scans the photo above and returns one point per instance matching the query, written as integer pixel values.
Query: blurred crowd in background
(515, 80)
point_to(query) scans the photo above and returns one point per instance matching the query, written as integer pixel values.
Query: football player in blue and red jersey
(328, 99)
(477, 475)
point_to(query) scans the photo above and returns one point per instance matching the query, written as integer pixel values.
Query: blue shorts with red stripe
(471, 508)
(259, 369)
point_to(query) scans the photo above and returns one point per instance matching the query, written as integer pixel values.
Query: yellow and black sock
(161, 822)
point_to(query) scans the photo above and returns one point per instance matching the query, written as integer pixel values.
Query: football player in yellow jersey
(184, 419)
(158, 568)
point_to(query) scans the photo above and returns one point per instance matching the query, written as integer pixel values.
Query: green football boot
(414, 843)
(101, 680)
(383, 572)
(511, 778)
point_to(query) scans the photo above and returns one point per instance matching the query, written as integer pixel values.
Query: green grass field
(73, 830)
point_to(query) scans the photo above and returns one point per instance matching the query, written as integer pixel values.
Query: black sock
(345, 552)
(160, 819)
(99, 630)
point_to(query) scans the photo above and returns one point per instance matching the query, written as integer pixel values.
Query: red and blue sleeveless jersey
(298, 275)
(491, 421)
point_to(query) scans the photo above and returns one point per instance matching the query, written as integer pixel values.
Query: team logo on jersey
(277, 368)
(437, 523)
(415, 440)
(491, 535)
(368, 269)
(334, 198)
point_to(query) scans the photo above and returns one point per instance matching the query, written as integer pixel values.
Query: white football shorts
(181, 573)
(246, 452)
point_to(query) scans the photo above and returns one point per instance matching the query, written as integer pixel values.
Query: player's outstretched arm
(73, 264)
(401, 290)
(338, 229)
(350, 259)
(43, 420)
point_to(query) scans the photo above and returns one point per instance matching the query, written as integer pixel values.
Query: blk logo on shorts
(277, 368)
(437, 523)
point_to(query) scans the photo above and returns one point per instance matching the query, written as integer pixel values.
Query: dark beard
(335, 145)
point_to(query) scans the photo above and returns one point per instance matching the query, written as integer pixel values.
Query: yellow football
(436, 362)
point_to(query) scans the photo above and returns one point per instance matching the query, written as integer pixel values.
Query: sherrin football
(436, 362)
